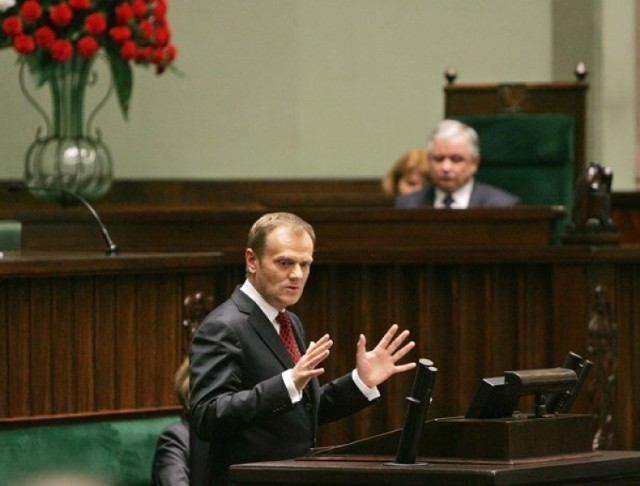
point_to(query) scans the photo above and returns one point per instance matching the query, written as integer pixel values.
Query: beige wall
(331, 88)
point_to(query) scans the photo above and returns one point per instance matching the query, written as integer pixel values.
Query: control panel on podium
(493, 430)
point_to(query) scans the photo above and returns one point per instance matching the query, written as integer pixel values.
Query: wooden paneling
(108, 338)
(89, 333)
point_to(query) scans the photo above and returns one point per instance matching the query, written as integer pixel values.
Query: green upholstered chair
(529, 155)
(10, 235)
(118, 451)
(532, 135)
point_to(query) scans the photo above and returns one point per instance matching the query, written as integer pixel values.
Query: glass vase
(70, 156)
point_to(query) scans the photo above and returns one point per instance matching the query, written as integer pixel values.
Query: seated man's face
(451, 164)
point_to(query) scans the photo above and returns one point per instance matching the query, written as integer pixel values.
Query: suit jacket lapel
(263, 327)
(430, 196)
(265, 330)
(475, 200)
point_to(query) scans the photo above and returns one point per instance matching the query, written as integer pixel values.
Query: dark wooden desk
(198, 229)
(608, 468)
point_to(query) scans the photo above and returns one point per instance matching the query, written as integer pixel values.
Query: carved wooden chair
(532, 135)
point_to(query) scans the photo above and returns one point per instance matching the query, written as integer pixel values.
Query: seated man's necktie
(448, 200)
(286, 334)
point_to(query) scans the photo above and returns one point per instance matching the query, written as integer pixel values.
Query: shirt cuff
(369, 393)
(294, 394)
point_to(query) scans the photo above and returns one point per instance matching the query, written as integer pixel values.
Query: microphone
(417, 405)
(112, 248)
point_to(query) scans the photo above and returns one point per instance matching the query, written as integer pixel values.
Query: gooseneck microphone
(112, 248)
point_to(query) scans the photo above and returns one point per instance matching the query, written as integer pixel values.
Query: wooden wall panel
(103, 323)
(463, 317)
(474, 313)
(103, 340)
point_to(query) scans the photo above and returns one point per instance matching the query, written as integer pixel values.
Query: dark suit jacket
(180, 458)
(171, 458)
(239, 402)
(482, 196)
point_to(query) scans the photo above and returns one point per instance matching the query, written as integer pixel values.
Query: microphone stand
(111, 247)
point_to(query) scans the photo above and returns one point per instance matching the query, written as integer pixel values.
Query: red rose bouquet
(48, 33)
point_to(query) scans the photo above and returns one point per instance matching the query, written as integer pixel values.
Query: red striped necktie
(286, 334)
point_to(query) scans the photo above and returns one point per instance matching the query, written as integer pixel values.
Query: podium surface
(598, 468)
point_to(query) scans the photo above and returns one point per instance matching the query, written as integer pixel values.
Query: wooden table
(605, 468)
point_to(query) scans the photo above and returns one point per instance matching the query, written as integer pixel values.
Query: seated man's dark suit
(239, 402)
(171, 458)
(482, 196)
(180, 458)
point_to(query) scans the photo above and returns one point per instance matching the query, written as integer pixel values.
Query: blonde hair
(181, 384)
(415, 159)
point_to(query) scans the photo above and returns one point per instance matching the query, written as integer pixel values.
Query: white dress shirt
(271, 313)
(460, 198)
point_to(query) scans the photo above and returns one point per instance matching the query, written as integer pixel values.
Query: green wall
(324, 88)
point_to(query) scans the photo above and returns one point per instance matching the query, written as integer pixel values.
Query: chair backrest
(529, 155)
(10, 234)
(566, 97)
(532, 136)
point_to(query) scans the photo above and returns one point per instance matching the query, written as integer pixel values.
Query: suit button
(308, 407)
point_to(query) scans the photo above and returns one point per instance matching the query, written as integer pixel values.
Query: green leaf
(122, 79)
(41, 69)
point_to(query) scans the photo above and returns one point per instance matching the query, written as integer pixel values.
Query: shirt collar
(268, 310)
(461, 197)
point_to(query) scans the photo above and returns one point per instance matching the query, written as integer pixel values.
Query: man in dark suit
(453, 153)
(255, 398)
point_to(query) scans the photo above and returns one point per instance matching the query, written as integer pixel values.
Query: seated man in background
(453, 152)
(408, 174)
(180, 457)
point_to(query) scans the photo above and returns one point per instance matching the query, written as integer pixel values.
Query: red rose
(146, 29)
(128, 50)
(124, 13)
(171, 52)
(157, 56)
(12, 26)
(87, 46)
(162, 36)
(45, 36)
(161, 10)
(61, 50)
(61, 15)
(139, 8)
(31, 11)
(143, 54)
(24, 44)
(80, 4)
(120, 33)
(95, 24)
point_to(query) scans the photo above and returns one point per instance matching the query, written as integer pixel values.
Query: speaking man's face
(281, 272)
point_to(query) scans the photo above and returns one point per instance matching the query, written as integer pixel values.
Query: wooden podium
(459, 451)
